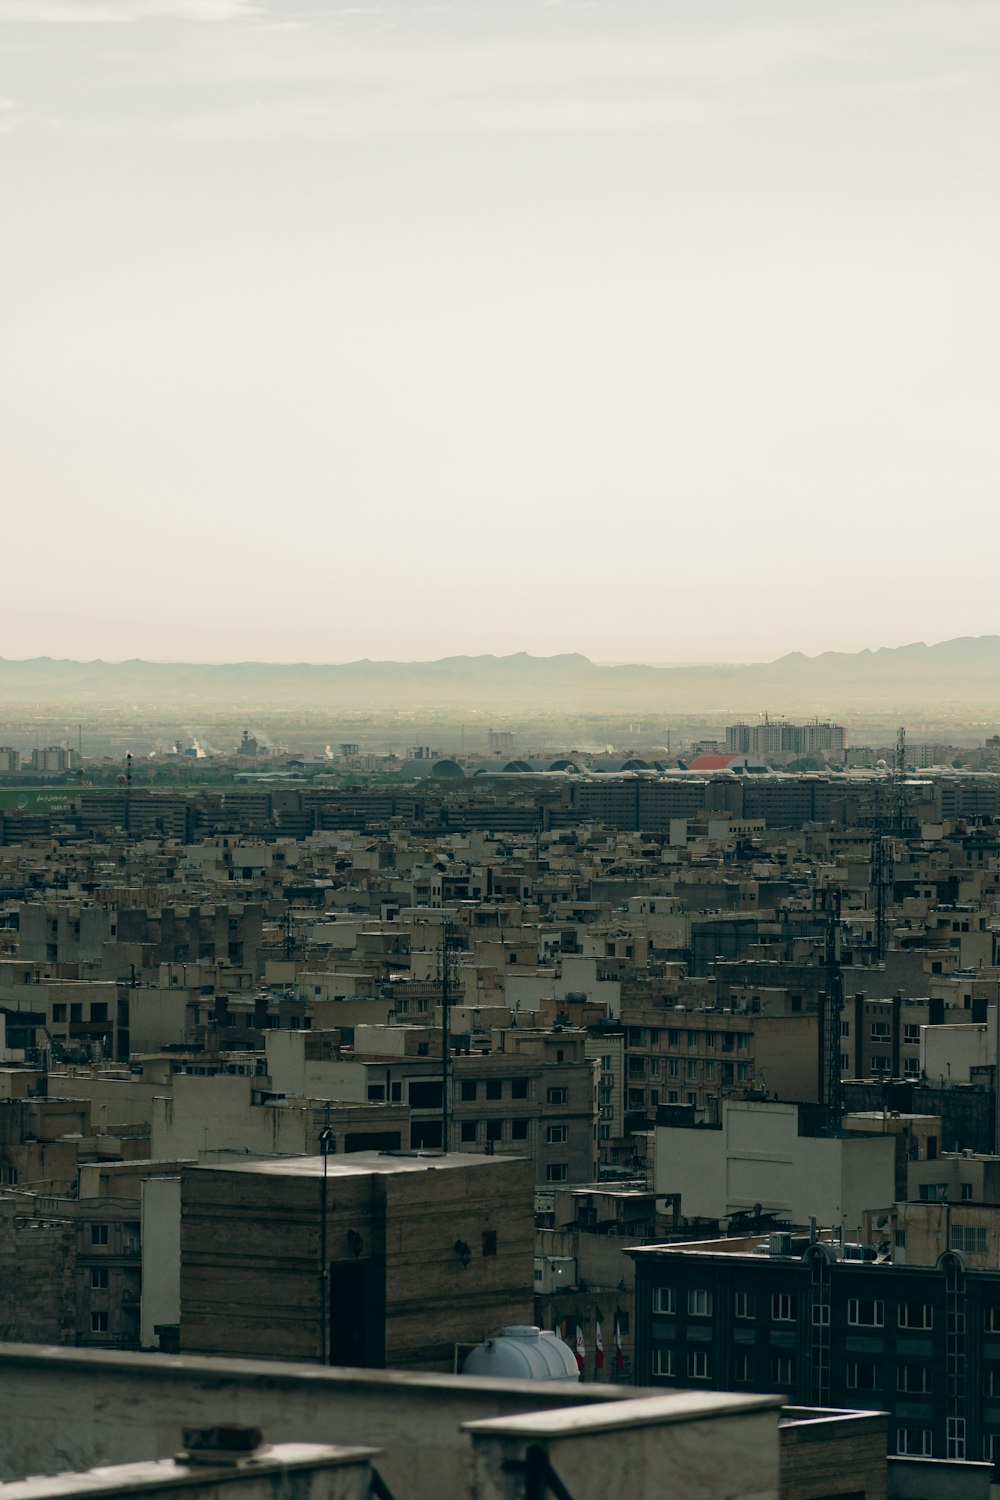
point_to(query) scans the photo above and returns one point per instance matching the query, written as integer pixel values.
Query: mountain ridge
(963, 669)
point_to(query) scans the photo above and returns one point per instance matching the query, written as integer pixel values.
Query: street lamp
(326, 1145)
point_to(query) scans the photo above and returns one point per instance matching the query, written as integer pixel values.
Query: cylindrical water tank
(523, 1352)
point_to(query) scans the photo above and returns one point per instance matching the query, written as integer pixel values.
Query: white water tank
(523, 1352)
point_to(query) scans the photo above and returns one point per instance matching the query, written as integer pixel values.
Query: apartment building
(829, 1323)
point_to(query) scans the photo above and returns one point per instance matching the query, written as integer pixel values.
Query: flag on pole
(599, 1339)
(564, 1329)
(581, 1348)
(619, 1352)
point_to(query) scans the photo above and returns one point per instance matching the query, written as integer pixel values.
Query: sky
(659, 330)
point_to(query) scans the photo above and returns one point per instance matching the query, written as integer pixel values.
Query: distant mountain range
(958, 675)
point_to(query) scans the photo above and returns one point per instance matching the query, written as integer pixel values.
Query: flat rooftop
(359, 1164)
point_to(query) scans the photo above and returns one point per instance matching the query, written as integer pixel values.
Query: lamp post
(325, 1142)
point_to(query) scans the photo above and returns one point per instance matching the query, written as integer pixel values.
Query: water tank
(523, 1352)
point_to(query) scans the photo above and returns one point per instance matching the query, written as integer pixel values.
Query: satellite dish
(882, 1222)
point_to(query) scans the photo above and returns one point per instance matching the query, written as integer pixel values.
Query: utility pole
(325, 1140)
(445, 975)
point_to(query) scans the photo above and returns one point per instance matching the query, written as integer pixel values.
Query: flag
(581, 1348)
(564, 1329)
(619, 1352)
(598, 1339)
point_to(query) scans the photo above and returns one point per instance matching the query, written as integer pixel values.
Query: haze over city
(397, 330)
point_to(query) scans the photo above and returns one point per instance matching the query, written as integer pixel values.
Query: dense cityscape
(687, 1059)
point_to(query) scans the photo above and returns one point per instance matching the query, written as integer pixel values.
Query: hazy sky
(654, 329)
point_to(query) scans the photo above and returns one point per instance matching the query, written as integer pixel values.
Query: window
(955, 1437)
(519, 1130)
(991, 1380)
(557, 1096)
(98, 1234)
(880, 1031)
(742, 1072)
(915, 1378)
(699, 1364)
(742, 1367)
(665, 1300)
(556, 1135)
(709, 1070)
(58, 1012)
(916, 1315)
(880, 1063)
(673, 1067)
(991, 1319)
(606, 1063)
(469, 1090)
(784, 1307)
(864, 1313)
(699, 1302)
(489, 1242)
(98, 1322)
(663, 1361)
(967, 1191)
(75, 1013)
(899, 1239)
(692, 1098)
(519, 1088)
(863, 1375)
(494, 1088)
(970, 1238)
(782, 1369)
(98, 1278)
(744, 1305)
(468, 1130)
(845, 1062)
(911, 1034)
(742, 1042)
(991, 1448)
(376, 1093)
(727, 1072)
(821, 1314)
(933, 1192)
(557, 1172)
(494, 1130)
(692, 1067)
(914, 1441)
(692, 1039)
(425, 1096)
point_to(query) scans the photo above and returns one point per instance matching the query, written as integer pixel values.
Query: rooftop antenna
(834, 1006)
(899, 783)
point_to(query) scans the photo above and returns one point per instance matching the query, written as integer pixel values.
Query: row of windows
(493, 1130)
(861, 1312)
(98, 1011)
(494, 1087)
(698, 1365)
(729, 1041)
